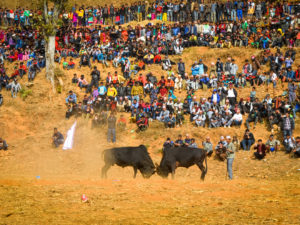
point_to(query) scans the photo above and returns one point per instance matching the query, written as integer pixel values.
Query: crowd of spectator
(145, 96)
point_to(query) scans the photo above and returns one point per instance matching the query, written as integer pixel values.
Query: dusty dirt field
(263, 192)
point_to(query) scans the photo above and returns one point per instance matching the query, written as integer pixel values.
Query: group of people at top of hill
(182, 11)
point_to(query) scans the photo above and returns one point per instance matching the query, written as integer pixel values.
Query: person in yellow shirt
(137, 91)
(112, 92)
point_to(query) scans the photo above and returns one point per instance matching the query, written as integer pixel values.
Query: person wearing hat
(230, 156)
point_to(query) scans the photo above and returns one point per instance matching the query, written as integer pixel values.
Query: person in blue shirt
(72, 98)
(102, 89)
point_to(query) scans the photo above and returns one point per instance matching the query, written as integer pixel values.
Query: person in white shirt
(274, 79)
(237, 119)
(178, 83)
(178, 49)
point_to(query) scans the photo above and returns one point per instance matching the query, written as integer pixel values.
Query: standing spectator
(111, 131)
(230, 156)
(57, 138)
(260, 150)
(207, 146)
(288, 125)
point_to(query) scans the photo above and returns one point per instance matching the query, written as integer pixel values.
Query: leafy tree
(48, 22)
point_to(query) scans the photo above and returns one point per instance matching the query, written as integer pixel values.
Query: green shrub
(25, 93)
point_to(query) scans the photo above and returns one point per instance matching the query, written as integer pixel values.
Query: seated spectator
(168, 143)
(237, 119)
(57, 138)
(85, 60)
(71, 64)
(272, 145)
(170, 121)
(297, 148)
(69, 112)
(75, 79)
(179, 118)
(252, 117)
(260, 150)
(289, 144)
(187, 141)
(71, 98)
(179, 141)
(15, 87)
(3, 144)
(142, 123)
(65, 64)
(82, 83)
(207, 146)
(148, 58)
(248, 140)
(193, 144)
(22, 69)
(200, 119)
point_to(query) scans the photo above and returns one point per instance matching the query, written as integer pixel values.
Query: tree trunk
(50, 65)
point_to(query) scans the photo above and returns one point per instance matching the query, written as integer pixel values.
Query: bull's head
(161, 171)
(147, 172)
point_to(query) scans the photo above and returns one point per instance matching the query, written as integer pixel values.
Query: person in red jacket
(297, 74)
(22, 69)
(163, 91)
(142, 123)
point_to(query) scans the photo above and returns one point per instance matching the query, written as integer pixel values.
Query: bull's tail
(204, 172)
(205, 164)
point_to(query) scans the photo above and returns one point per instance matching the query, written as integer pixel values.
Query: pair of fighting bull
(139, 159)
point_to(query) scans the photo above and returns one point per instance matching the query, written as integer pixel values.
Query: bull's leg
(173, 168)
(135, 171)
(104, 170)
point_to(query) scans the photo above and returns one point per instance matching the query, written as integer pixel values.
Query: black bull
(137, 157)
(181, 157)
